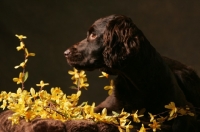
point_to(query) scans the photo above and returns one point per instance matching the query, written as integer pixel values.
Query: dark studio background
(172, 27)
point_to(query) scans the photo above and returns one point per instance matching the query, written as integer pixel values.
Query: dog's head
(109, 42)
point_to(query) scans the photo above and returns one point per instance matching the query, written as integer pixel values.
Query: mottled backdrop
(172, 27)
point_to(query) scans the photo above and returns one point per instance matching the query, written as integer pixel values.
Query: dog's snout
(67, 52)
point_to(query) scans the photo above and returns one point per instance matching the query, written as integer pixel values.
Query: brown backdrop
(172, 27)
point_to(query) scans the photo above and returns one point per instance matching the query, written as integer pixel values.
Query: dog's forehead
(101, 22)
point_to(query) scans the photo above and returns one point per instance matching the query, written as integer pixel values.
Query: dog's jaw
(83, 64)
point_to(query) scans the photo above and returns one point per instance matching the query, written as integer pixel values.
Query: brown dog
(145, 79)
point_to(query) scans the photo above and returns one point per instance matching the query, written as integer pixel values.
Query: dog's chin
(86, 67)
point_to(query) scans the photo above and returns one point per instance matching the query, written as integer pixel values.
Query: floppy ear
(120, 41)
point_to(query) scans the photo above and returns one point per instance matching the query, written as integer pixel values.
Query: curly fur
(120, 41)
(51, 125)
(145, 79)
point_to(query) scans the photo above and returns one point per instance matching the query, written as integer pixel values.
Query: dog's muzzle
(67, 53)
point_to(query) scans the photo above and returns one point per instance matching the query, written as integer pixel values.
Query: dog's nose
(67, 52)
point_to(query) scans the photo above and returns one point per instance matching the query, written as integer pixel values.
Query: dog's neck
(138, 79)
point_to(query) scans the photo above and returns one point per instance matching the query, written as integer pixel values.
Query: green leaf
(73, 87)
(25, 76)
(142, 111)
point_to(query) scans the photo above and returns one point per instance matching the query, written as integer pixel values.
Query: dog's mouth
(74, 59)
(82, 64)
(73, 62)
(82, 67)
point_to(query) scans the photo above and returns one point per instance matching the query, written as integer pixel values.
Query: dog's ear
(120, 41)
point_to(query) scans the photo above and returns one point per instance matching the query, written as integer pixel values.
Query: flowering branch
(23, 75)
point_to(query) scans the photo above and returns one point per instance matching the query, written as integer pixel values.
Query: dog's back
(187, 79)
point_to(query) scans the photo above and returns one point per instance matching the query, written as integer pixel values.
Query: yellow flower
(123, 122)
(20, 37)
(123, 119)
(3, 95)
(79, 78)
(74, 73)
(136, 117)
(29, 99)
(110, 87)
(20, 79)
(21, 100)
(74, 97)
(120, 129)
(57, 93)
(172, 107)
(82, 83)
(124, 114)
(3, 106)
(82, 74)
(77, 75)
(92, 108)
(155, 125)
(28, 54)
(128, 127)
(29, 115)
(104, 74)
(142, 129)
(42, 84)
(43, 94)
(43, 114)
(21, 46)
(88, 110)
(19, 91)
(33, 93)
(151, 117)
(21, 64)
(14, 119)
(104, 112)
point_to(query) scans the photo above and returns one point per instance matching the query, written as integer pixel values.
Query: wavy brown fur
(51, 125)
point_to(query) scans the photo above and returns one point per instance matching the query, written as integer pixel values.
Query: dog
(145, 79)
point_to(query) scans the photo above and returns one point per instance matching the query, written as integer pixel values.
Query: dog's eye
(93, 36)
